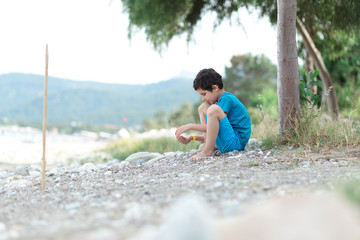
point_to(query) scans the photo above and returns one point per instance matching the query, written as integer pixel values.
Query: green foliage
(195, 112)
(333, 25)
(122, 148)
(248, 76)
(307, 94)
(149, 123)
(266, 101)
(162, 20)
(323, 16)
(186, 113)
(348, 99)
(182, 115)
(346, 75)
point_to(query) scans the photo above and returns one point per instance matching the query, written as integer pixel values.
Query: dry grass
(313, 129)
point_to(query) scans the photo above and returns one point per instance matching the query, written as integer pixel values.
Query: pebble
(2, 227)
(22, 171)
(118, 199)
(87, 167)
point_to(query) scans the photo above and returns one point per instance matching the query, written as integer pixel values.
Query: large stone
(87, 167)
(22, 171)
(142, 157)
(313, 217)
(253, 144)
(19, 184)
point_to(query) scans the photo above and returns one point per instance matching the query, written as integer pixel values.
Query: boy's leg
(214, 115)
(202, 110)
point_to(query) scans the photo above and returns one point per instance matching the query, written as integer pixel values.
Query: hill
(21, 100)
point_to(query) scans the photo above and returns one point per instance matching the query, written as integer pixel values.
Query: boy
(224, 119)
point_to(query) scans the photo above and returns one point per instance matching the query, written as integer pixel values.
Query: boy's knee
(215, 110)
(203, 107)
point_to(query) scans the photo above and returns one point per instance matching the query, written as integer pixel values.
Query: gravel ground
(118, 200)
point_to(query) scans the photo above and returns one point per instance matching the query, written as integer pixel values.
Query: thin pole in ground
(44, 119)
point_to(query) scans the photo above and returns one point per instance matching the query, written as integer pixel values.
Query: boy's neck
(219, 93)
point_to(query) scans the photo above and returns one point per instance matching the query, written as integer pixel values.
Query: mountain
(21, 100)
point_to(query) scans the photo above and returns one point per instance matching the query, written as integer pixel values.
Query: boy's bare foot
(200, 155)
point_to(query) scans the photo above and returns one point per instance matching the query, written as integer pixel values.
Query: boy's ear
(215, 87)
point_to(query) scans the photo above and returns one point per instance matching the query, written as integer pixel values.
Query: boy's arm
(188, 127)
(190, 138)
(199, 138)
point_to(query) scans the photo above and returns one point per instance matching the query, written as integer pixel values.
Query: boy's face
(208, 96)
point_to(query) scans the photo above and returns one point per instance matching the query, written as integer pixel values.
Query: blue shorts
(228, 139)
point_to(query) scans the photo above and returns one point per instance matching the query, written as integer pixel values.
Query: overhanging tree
(164, 19)
(321, 20)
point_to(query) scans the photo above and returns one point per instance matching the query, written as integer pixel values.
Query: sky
(88, 41)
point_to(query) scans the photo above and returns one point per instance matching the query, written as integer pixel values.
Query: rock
(169, 154)
(189, 219)
(134, 211)
(2, 227)
(141, 157)
(96, 234)
(252, 145)
(74, 205)
(184, 175)
(34, 173)
(117, 200)
(3, 174)
(53, 172)
(151, 161)
(87, 167)
(22, 171)
(19, 184)
(305, 217)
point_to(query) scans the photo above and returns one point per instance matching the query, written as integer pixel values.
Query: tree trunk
(329, 90)
(288, 66)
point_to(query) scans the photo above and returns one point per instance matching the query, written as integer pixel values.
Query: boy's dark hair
(206, 78)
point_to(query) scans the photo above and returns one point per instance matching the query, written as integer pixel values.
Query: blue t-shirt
(237, 114)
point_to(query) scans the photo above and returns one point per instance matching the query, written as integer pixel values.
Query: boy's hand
(185, 139)
(182, 130)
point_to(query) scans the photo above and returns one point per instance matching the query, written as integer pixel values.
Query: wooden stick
(44, 119)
